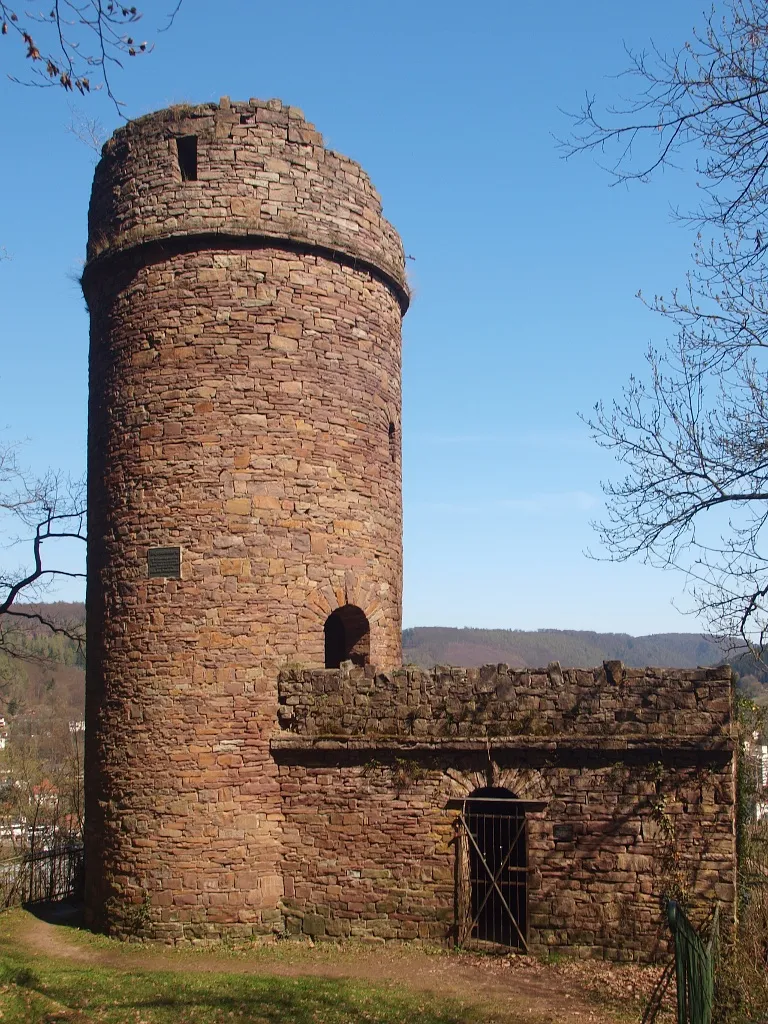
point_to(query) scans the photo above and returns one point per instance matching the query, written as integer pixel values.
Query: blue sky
(524, 278)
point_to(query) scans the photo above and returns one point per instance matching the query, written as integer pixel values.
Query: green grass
(46, 990)
(35, 995)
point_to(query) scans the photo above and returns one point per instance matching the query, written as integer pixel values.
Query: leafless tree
(76, 44)
(41, 807)
(692, 436)
(88, 130)
(46, 795)
(35, 514)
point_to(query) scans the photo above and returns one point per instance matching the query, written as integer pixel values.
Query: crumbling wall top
(610, 704)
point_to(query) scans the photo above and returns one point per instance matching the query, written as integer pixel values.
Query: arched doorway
(347, 637)
(495, 827)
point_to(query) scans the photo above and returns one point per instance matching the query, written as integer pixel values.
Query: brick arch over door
(365, 593)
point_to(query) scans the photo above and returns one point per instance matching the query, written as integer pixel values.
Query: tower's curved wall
(245, 408)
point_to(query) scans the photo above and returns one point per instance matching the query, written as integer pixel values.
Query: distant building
(757, 754)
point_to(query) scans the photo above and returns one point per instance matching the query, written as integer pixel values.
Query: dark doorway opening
(347, 637)
(495, 826)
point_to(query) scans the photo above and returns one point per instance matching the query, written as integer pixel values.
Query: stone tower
(246, 298)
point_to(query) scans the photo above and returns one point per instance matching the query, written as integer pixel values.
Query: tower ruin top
(238, 171)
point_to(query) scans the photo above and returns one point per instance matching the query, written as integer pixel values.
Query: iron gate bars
(494, 875)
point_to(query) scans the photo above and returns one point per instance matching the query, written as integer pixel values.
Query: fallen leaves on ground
(608, 981)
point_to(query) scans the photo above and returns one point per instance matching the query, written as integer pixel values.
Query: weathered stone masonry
(244, 407)
(638, 762)
(245, 516)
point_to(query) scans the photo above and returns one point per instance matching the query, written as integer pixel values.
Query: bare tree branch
(46, 511)
(77, 44)
(88, 130)
(692, 437)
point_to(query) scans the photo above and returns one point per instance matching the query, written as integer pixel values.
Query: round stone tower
(244, 501)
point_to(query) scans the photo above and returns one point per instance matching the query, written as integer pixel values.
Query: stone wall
(244, 407)
(495, 701)
(373, 769)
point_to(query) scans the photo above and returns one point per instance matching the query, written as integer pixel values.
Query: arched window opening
(392, 442)
(347, 637)
(498, 862)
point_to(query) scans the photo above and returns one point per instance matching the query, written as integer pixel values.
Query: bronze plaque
(164, 562)
(562, 833)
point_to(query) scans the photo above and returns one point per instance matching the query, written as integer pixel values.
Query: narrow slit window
(186, 148)
(392, 442)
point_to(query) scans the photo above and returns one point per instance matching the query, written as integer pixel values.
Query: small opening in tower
(186, 148)
(392, 442)
(347, 637)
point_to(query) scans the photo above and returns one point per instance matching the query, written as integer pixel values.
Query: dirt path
(515, 985)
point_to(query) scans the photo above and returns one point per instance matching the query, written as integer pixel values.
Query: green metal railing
(694, 966)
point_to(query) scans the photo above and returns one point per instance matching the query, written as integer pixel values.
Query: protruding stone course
(246, 298)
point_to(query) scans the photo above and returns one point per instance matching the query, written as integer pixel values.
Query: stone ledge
(702, 745)
(248, 237)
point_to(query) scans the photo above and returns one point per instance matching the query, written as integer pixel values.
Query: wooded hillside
(54, 672)
(48, 675)
(442, 645)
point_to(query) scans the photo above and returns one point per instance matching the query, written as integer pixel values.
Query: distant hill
(443, 645)
(62, 613)
(49, 672)
(55, 670)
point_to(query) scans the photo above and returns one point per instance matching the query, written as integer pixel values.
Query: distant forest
(575, 648)
(47, 678)
(442, 645)
(51, 673)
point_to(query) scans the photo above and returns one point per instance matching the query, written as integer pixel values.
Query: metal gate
(492, 870)
(694, 966)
